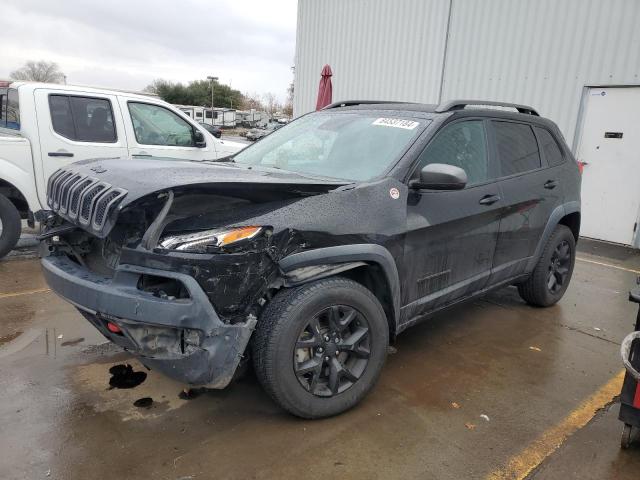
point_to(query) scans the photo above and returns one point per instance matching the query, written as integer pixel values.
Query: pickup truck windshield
(349, 146)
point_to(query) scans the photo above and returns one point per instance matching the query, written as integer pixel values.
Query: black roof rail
(352, 103)
(453, 105)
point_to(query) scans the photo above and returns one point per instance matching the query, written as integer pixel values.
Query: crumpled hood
(90, 193)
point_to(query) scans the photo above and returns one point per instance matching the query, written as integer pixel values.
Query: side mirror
(198, 138)
(439, 176)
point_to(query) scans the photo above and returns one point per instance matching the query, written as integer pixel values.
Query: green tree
(197, 92)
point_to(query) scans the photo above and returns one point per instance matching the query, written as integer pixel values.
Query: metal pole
(211, 78)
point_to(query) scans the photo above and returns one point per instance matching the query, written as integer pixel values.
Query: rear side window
(517, 148)
(3, 108)
(463, 145)
(9, 109)
(550, 147)
(83, 119)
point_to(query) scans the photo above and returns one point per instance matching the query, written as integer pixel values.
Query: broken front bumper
(182, 337)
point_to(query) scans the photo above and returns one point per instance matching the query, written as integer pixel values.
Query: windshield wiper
(312, 176)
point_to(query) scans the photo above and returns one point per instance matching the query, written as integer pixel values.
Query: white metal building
(575, 61)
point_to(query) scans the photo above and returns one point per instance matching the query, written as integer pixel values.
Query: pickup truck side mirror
(439, 176)
(198, 139)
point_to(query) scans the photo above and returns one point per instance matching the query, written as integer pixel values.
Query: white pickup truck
(45, 126)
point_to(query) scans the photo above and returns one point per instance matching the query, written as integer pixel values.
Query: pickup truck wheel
(552, 274)
(10, 226)
(319, 348)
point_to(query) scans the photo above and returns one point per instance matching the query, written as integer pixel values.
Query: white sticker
(395, 193)
(396, 122)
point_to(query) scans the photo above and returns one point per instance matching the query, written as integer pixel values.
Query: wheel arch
(370, 265)
(15, 196)
(567, 214)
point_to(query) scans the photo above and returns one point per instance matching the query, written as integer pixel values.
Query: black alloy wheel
(319, 348)
(559, 267)
(550, 278)
(332, 351)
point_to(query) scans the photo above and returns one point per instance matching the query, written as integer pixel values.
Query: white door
(73, 126)
(610, 151)
(154, 130)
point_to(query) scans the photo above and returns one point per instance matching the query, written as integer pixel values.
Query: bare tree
(251, 101)
(41, 71)
(271, 103)
(288, 104)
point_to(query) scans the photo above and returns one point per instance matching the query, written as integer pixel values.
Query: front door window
(156, 125)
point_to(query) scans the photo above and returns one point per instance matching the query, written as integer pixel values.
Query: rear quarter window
(9, 109)
(3, 108)
(517, 148)
(550, 147)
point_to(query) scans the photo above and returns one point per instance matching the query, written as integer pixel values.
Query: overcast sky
(128, 43)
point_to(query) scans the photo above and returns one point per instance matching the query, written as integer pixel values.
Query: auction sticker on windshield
(396, 122)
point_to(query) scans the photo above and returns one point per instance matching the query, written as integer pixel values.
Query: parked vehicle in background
(258, 133)
(213, 130)
(46, 126)
(311, 249)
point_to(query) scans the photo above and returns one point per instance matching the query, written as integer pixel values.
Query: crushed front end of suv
(308, 252)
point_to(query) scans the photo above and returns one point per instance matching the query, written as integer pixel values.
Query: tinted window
(3, 108)
(550, 147)
(463, 145)
(155, 125)
(517, 148)
(13, 109)
(61, 117)
(83, 119)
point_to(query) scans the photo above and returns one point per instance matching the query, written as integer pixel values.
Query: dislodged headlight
(198, 242)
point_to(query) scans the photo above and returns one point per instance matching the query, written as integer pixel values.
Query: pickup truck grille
(82, 199)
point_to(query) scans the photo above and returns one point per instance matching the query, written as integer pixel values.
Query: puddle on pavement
(123, 376)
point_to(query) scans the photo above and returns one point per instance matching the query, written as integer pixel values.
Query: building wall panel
(377, 49)
(541, 52)
(537, 52)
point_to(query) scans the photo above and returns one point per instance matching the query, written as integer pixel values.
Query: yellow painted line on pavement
(522, 464)
(602, 264)
(25, 292)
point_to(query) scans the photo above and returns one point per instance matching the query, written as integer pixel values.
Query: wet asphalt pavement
(544, 378)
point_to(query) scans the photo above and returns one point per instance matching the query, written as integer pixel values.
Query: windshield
(348, 146)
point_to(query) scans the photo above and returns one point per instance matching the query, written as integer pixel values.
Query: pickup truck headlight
(199, 241)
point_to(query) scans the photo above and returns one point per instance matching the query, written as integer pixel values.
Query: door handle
(550, 184)
(60, 154)
(489, 199)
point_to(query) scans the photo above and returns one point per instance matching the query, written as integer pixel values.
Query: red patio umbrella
(325, 90)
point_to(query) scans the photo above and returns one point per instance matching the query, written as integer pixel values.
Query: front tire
(319, 348)
(10, 226)
(552, 274)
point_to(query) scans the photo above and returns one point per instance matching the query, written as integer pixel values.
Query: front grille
(87, 201)
(82, 198)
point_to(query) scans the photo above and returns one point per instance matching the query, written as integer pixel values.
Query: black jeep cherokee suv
(308, 251)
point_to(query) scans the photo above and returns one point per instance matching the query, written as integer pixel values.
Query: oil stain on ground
(123, 376)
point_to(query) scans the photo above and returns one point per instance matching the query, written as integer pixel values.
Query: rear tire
(10, 226)
(552, 274)
(319, 348)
